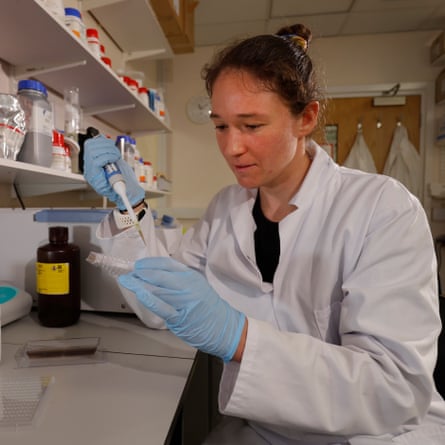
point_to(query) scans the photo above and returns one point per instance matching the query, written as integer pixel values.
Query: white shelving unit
(37, 45)
(34, 180)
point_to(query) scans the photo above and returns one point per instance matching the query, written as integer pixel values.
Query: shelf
(139, 32)
(38, 45)
(33, 180)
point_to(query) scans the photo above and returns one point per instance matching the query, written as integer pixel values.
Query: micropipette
(117, 182)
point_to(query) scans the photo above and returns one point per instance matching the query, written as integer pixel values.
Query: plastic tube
(113, 265)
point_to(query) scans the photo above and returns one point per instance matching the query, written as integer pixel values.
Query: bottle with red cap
(58, 151)
(93, 41)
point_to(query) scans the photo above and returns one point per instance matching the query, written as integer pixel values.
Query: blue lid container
(73, 11)
(28, 84)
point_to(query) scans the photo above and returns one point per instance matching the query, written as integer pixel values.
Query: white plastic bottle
(93, 41)
(55, 7)
(74, 22)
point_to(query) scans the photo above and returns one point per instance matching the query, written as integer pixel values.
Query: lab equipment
(192, 310)
(65, 351)
(113, 174)
(12, 126)
(58, 280)
(71, 112)
(14, 303)
(21, 400)
(36, 148)
(113, 265)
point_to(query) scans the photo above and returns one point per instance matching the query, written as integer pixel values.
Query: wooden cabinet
(177, 21)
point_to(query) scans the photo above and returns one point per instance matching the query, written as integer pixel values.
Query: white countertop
(130, 398)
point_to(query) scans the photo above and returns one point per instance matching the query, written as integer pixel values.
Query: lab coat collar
(315, 177)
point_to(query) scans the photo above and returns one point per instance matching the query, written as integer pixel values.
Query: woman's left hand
(192, 310)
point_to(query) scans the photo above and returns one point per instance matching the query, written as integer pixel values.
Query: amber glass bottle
(58, 280)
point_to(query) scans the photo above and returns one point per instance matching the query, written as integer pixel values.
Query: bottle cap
(58, 234)
(58, 139)
(73, 11)
(28, 84)
(167, 219)
(93, 32)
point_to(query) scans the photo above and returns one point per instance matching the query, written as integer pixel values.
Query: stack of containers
(142, 169)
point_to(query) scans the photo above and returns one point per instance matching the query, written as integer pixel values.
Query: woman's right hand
(100, 151)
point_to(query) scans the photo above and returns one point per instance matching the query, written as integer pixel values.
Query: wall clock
(198, 109)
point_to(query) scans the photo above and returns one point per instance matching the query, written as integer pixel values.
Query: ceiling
(220, 21)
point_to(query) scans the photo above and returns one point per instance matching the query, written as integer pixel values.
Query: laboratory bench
(146, 387)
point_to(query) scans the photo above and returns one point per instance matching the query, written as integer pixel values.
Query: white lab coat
(341, 347)
(403, 162)
(359, 156)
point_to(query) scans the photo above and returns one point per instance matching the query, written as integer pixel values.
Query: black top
(267, 242)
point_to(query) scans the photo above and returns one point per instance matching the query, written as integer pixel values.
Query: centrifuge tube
(113, 265)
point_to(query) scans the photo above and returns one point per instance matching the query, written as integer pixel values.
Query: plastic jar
(74, 22)
(93, 41)
(55, 7)
(37, 145)
(123, 142)
(132, 85)
(58, 151)
(148, 174)
(143, 95)
(140, 171)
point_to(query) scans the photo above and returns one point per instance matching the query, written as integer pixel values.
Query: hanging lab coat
(359, 156)
(403, 162)
(341, 347)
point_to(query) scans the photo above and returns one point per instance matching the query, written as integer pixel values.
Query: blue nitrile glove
(192, 310)
(100, 151)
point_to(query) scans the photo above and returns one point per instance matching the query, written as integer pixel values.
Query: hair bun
(298, 34)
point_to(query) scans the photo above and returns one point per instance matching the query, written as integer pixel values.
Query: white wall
(197, 168)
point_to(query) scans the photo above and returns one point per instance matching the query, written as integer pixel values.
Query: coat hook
(379, 123)
(359, 127)
(392, 91)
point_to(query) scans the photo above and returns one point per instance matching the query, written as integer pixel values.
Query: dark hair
(279, 60)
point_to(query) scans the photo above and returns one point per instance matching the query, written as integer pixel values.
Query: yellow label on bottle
(53, 278)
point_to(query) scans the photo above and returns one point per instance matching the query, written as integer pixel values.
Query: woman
(315, 284)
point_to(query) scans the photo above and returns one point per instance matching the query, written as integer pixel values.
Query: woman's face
(262, 142)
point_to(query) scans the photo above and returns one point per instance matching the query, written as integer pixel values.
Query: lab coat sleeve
(128, 245)
(380, 375)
